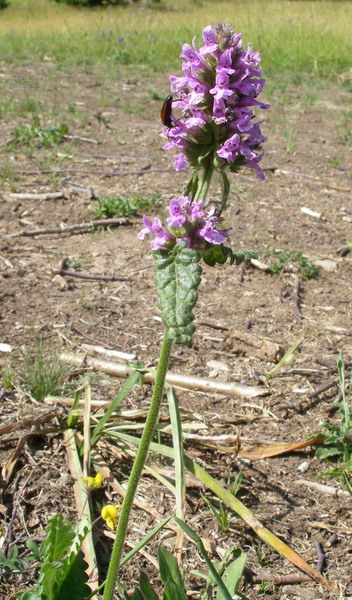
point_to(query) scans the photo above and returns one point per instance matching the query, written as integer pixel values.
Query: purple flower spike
(216, 96)
(188, 222)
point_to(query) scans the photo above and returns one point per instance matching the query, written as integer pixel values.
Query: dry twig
(178, 381)
(78, 227)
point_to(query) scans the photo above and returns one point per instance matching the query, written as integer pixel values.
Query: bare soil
(307, 164)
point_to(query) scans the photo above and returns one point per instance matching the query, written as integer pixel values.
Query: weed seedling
(307, 269)
(337, 445)
(75, 262)
(223, 517)
(8, 377)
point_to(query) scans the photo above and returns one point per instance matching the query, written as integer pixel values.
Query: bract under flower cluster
(187, 221)
(220, 83)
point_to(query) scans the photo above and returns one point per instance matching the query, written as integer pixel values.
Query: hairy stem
(152, 419)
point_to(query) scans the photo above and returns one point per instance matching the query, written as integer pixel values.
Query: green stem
(225, 190)
(204, 182)
(137, 468)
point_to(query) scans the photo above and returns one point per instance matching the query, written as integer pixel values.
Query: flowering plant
(220, 84)
(219, 87)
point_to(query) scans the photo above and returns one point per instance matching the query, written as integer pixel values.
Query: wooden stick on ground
(89, 226)
(44, 196)
(179, 381)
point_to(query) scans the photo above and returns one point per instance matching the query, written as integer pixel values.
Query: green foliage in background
(117, 206)
(306, 267)
(37, 135)
(310, 40)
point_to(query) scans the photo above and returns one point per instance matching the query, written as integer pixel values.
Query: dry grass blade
(232, 502)
(86, 428)
(180, 479)
(32, 421)
(276, 449)
(7, 469)
(82, 505)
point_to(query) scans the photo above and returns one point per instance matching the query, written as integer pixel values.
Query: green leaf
(214, 254)
(222, 587)
(218, 254)
(32, 595)
(145, 590)
(132, 380)
(74, 585)
(325, 452)
(169, 572)
(34, 548)
(173, 591)
(73, 417)
(59, 536)
(177, 276)
(232, 575)
(144, 541)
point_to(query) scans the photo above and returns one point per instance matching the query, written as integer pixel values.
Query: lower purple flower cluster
(220, 84)
(187, 222)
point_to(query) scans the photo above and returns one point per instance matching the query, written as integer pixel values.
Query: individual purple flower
(176, 218)
(216, 96)
(230, 149)
(162, 236)
(188, 222)
(210, 41)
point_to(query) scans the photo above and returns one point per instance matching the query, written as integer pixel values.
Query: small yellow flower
(109, 514)
(92, 483)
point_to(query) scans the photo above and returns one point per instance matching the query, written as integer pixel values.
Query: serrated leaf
(218, 254)
(74, 585)
(71, 555)
(59, 536)
(177, 276)
(169, 572)
(214, 254)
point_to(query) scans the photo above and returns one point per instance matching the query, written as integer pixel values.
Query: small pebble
(303, 467)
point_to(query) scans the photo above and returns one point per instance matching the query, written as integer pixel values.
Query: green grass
(117, 206)
(43, 374)
(311, 38)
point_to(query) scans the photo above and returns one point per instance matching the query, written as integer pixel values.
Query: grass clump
(43, 374)
(117, 206)
(37, 135)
